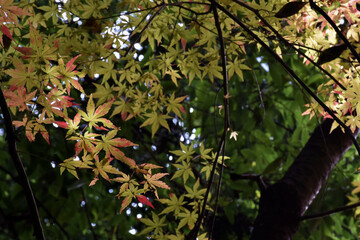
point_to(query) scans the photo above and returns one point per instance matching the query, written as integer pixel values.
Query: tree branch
(327, 213)
(24, 180)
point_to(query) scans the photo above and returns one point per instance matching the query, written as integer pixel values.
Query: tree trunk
(282, 204)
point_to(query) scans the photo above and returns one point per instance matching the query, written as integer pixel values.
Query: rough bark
(282, 204)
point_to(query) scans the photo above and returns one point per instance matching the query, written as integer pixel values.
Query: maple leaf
(103, 167)
(174, 204)
(174, 75)
(19, 98)
(184, 171)
(129, 194)
(71, 165)
(22, 74)
(195, 192)
(153, 181)
(111, 146)
(188, 218)
(156, 119)
(185, 153)
(72, 125)
(174, 105)
(155, 224)
(24, 50)
(86, 142)
(95, 116)
(68, 73)
(92, 183)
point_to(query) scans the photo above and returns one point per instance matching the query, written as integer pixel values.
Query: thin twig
(292, 73)
(11, 139)
(193, 233)
(142, 30)
(87, 212)
(226, 103)
(255, 177)
(327, 213)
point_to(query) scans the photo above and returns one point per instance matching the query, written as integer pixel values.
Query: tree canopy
(216, 119)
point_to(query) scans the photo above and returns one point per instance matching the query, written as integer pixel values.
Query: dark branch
(24, 180)
(87, 212)
(327, 213)
(226, 103)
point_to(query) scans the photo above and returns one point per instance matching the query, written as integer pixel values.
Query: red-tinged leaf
(45, 135)
(153, 180)
(70, 65)
(30, 136)
(99, 128)
(121, 156)
(149, 166)
(103, 108)
(24, 50)
(56, 43)
(183, 43)
(92, 183)
(78, 148)
(122, 142)
(61, 124)
(77, 85)
(77, 118)
(108, 46)
(6, 31)
(125, 203)
(182, 109)
(144, 200)
(20, 123)
(107, 123)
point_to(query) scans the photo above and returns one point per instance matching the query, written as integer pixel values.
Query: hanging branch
(327, 213)
(221, 150)
(23, 178)
(337, 30)
(292, 73)
(226, 103)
